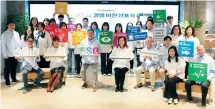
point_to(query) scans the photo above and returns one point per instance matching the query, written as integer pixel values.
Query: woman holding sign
(121, 55)
(175, 73)
(190, 36)
(42, 41)
(57, 64)
(176, 35)
(118, 32)
(106, 63)
(77, 54)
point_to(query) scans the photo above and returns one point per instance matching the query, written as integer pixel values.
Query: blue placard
(186, 48)
(133, 29)
(96, 34)
(137, 36)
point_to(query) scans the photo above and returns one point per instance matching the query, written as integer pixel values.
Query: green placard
(106, 37)
(197, 71)
(159, 15)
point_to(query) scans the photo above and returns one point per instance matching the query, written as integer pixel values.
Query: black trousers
(120, 76)
(43, 63)
(170, 87)
(204, 86)
(10, 67)
(132, 63)
(78, 63)
(106, 63)
(186, 69)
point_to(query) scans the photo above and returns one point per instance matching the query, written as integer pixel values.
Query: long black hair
(105, 24)
(25, 34)
(31, 24)
(94, 23)
(120, 25)
(193, 31)
(174, 28)
(176, 54)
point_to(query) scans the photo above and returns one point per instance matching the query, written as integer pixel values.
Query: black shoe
(121, 89)
(16, 81)
(203, 104)
(117, 89)
(7, 83)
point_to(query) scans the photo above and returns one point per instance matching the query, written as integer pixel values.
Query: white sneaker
(175, 101)
(170, 101)
(104, 74)
(131, 71)
(109, 74)
(79, 76)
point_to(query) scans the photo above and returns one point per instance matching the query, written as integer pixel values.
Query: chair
(210, 37)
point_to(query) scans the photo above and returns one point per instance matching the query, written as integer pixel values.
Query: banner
(106, 37)
(197, 71)
(159, 34)
(62, 34)
(159, 15)
(71, 27)
(78, 36)
(133, 29)
(61, 7)
(89, 51)
(51, 29)
(116, 37)
(137, 36)
(186, 48)
(96, 34)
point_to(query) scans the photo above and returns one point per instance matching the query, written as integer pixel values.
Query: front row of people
(173, 66)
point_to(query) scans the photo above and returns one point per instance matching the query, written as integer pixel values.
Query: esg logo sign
(90, 50)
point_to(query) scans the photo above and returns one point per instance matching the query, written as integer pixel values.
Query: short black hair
(52, 20)
(90, 30)
(55, 38)
(150, 20)
(46, 19)
(61, 16)
(9, 22)
(193, 31)
(105, 24)
(63, 23)
(79, 25)
(85, 18)
(94, 23)
(149, 17)
(167, 37)
(174, 28)
(42, 24)
(120, 25)
(31, 37)
(169, 17)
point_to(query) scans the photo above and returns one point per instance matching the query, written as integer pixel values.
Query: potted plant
(21, 21)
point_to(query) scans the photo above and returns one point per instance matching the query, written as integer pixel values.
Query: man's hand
(145, 57)
(6, 57)
(150, 58)
(17, 57)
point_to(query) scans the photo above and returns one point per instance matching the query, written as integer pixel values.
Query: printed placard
(116, 37)
(133, 29)
(106, 37)
(78, 36)
(62, 34)
(89, 51)
(186, 48)
(137, 36)
(159, 15)
(197, 71)
(96, 34)
(159, 34)
(51, 29)
(61, 7)
(71, 27)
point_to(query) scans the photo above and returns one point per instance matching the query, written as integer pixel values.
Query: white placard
(117, 57)
(159, 34)
(150, 53)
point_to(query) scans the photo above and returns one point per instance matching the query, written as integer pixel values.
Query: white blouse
(173, 67)
(120, 62)
(56, 61)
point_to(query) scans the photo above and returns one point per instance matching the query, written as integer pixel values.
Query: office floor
(72, 96)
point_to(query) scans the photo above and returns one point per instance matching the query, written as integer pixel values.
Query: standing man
(91, 46)
(169, 24)
(202, 57)
(10, 45)
(85, 24)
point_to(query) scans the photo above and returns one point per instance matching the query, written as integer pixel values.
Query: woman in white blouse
(121, 55)
(28, 33)
(33, 24)
(176, 35)
(175, 73)
(57, 64)
(189, 36)
(42, 41)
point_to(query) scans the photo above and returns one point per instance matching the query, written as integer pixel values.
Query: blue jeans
(70, 56)
(25, 72)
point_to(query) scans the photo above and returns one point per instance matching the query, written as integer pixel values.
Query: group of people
(171, 67)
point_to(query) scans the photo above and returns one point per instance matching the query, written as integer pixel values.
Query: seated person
(149, 63)
(202, 57)
(175, 67)
(163, 57)
(57, 65)
(121, 66)
(29, 64)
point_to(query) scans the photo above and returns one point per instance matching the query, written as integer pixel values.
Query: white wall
(210, 18)
(3, 15)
